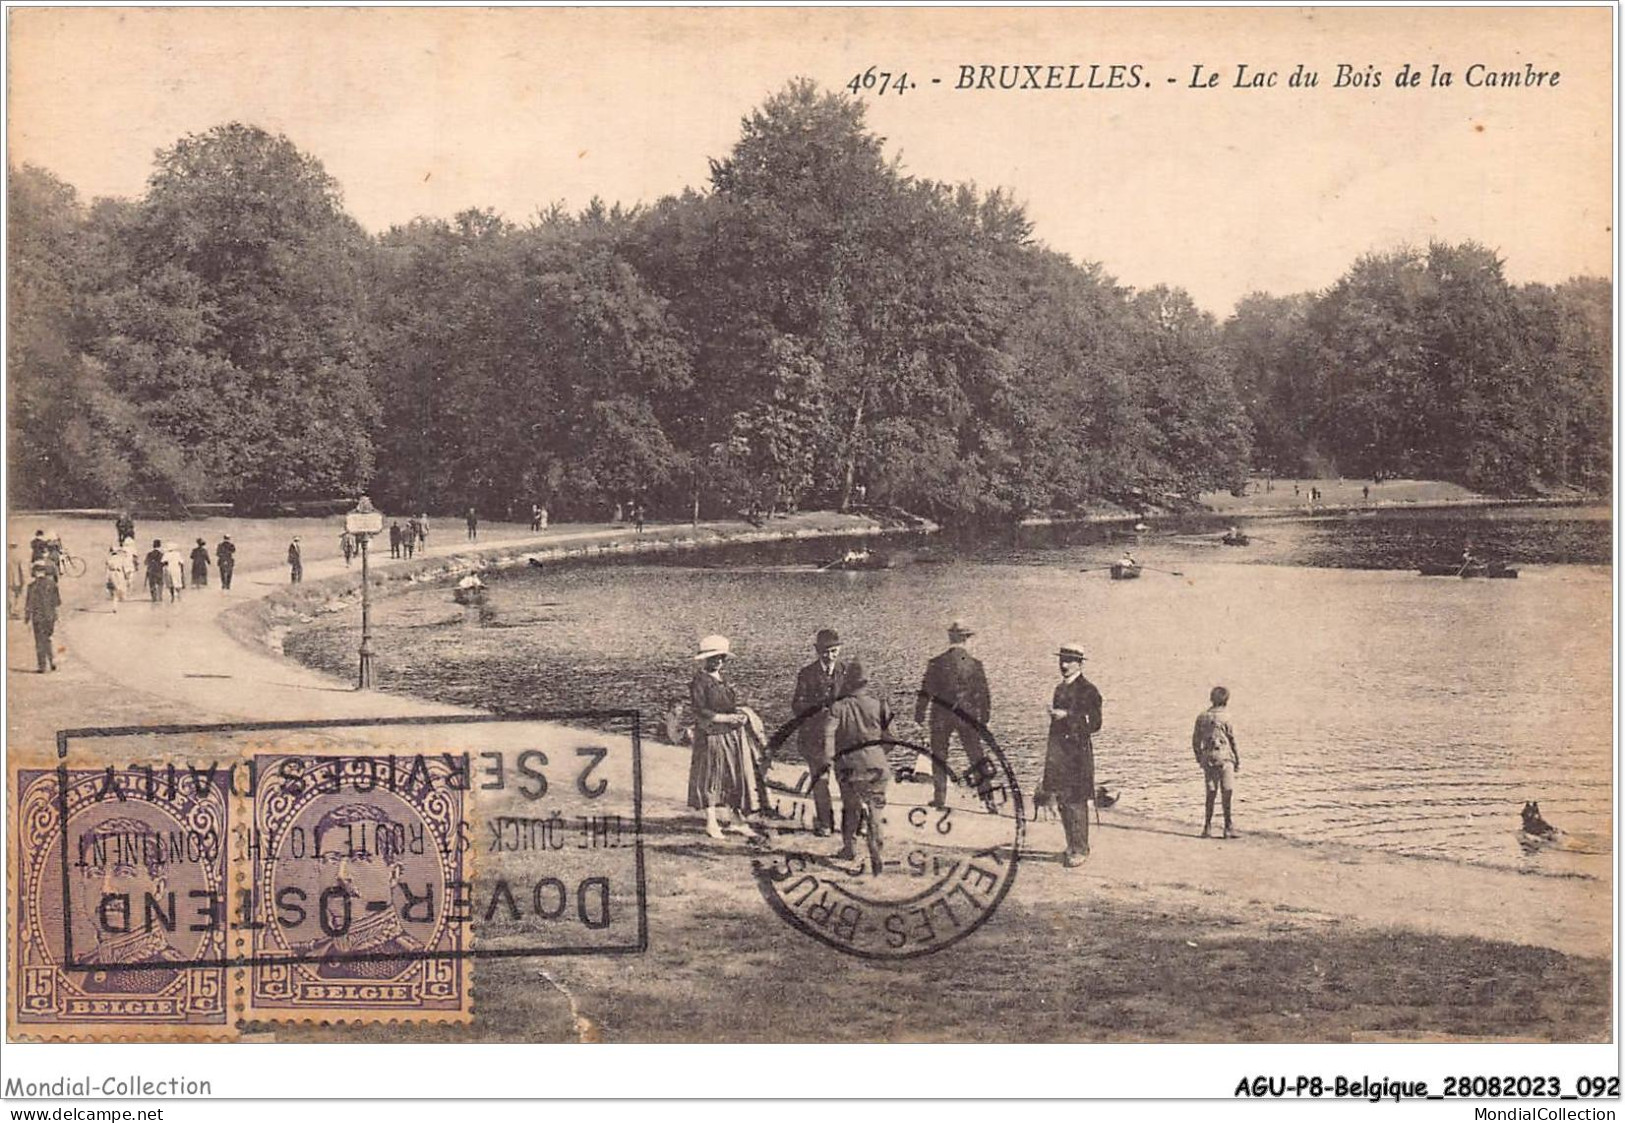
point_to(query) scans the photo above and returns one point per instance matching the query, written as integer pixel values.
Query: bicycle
(71, 565)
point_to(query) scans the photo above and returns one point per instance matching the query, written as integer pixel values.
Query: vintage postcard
(830, 525)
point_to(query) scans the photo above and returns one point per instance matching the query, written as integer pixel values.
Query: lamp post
(363, 523)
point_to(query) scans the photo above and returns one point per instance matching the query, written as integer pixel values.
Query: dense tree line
(1429, 364)
(813, 327)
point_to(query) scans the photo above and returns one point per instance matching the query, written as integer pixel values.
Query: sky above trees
(1224, 191)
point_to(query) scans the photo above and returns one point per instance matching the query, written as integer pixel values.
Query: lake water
(1374, 707)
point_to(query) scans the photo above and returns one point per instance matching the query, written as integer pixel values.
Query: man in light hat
(954, 699)
(818, 684)
(39, 609)
(1069, 763)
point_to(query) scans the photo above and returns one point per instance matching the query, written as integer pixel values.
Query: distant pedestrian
(409, 540)
(1295, 492)
(395, 539)
(1069, 760)
(296, 562)
(16, 581)
(154, 562)
(541, 518)
(535, 516)
(39, 609)
(225, 559)
(423, 530)
(637, 515)
(954, 699)
(38, 547)
(124, 526)
(1365, 492)
(473, 519)
(200, 565)
(1214, 743)
(347, 547)
(118, 574)
(174, 571)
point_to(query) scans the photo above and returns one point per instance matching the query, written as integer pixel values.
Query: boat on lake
(1125, 571)
(1236, 538)
(854, 560)
(1472, 569)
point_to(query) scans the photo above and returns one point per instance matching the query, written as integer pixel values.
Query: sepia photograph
(812, 526)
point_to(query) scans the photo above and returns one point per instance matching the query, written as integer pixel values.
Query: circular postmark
(903, 874)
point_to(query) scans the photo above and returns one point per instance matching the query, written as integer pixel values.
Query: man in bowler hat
(818, 684)
(40, 605)
(954, 699)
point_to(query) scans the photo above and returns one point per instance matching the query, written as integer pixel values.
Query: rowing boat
(1475, 569)
(1122, 572)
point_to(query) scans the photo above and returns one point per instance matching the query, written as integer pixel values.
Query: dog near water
(1535, 826)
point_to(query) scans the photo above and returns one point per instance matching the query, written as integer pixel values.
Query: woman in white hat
(722, 772)
(174, 570)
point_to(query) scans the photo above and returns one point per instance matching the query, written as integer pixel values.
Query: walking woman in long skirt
(722, 773)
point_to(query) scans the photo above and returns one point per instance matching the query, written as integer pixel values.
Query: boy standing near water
(1214, 743)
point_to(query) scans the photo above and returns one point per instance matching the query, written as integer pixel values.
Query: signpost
(363, 523)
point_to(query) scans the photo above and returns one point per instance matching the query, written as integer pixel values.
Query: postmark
(119, 888)
(940, 873)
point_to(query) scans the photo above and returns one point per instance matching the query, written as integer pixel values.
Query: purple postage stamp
(361, 889)
(120, 888)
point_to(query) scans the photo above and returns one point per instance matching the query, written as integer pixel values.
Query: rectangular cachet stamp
(188, 881)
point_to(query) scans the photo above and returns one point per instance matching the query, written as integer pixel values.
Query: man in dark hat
(1069, 763)
(225, 560)
(39, 609)
(853, 736)
(818, 684)
(954, 699)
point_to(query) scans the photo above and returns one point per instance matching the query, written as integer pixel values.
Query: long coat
(40, 605)
(854, 724)
(954, 680)
(815, 693)
(1069, 762)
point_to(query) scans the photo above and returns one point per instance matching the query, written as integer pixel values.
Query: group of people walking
(841, 728)
(404, 541)
(165, 571)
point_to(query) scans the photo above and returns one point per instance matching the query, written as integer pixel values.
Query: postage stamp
(359, 889)
(120, 887)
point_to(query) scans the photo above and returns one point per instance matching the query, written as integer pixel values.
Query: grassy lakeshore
(1161, 937)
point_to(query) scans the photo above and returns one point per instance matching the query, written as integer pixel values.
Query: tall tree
(247, 236)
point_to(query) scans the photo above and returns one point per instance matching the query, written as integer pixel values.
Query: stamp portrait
(360, 885)
(120, 904)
